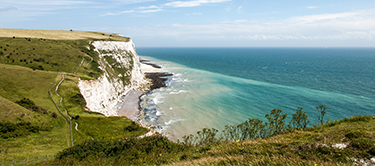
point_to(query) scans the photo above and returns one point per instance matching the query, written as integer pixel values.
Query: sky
(205, 23)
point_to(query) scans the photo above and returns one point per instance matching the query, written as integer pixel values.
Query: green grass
(24, 78)
(50, 55)
(90, 124)
(312, 146)
(16, 113)
(16, 83)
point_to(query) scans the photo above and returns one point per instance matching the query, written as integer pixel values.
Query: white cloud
(119, 13)
(174, 4)
(150, 7)
(132, 11)
(150, 11)
(312, 18)
(239, 8)
(192, 3)
(312, 7)
(357, 25)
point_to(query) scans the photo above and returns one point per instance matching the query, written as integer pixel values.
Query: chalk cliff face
(122, 73)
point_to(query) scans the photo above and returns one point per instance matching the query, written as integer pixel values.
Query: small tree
(321, 109)
(299, 120)
(276, 122)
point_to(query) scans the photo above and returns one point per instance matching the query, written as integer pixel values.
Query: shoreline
(130, 105)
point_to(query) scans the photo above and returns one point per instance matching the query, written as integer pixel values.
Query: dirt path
(76, 126)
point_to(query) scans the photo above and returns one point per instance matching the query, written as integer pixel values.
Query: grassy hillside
(342, 142)
(31, 64)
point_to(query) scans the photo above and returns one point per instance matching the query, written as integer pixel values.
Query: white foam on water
(159, 113)
(158, 99)
(178, 92)
(173, 121)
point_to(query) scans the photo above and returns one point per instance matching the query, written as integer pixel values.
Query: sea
(214, 87)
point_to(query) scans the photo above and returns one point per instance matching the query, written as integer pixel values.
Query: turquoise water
(212, 87)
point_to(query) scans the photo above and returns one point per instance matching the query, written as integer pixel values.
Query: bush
(78, 99)
(9, 130)
(39, 60)
(276, 122)
(299, 120)
(132, 127)
(54, 115)
(132, 151)
(321, 109)
(253, 128)
(25, 102)
(29, 104)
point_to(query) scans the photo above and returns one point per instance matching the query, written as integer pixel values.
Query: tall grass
(311, 146)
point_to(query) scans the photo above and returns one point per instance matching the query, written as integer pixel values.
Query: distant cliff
(121, 67)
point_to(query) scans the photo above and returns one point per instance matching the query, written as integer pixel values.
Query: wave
(178, 92)
(173, 121)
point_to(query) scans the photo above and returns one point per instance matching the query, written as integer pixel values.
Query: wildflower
(238, 141)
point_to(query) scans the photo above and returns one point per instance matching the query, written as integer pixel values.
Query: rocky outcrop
(121, 67)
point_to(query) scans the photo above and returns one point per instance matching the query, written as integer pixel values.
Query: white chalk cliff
(122, 73)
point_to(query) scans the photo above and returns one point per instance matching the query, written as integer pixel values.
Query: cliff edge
(121, 74)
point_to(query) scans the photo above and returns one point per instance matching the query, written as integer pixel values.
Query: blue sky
(205, 23)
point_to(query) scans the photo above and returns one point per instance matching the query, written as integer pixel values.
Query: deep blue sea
(212, 87)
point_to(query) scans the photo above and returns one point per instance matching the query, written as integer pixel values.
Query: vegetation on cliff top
(34, 127)
(341, 142)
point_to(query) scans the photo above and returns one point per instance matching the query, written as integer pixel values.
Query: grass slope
(312, 146)
(16, 113)
(18, 82)
(28, 66)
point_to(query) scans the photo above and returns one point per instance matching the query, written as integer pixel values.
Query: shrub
(39, 60)
(9, 130)
(253, 128)
(29, 104)
(54, 115)
(132, 127)
(249, 129)
(25, 102)
(276, 122)
(78, 99)
(321, 109)
(299, 120)
(133, 151)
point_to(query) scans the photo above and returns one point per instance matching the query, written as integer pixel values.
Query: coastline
(130, 104)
